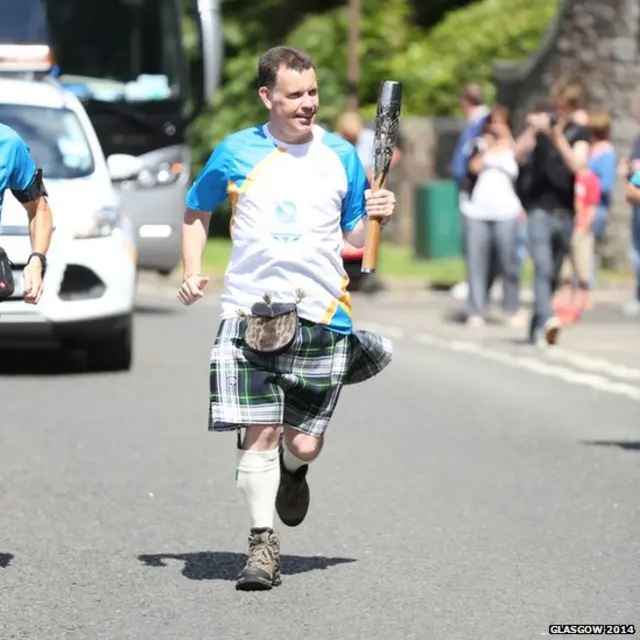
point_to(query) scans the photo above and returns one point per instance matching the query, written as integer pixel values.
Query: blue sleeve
(209, 190)
(608, 170)
(464, 147)
(458, 164)
(635, 179)
(353, 204)
(23, 170)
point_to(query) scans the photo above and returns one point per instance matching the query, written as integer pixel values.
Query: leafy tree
(431, 64)
(463, 48)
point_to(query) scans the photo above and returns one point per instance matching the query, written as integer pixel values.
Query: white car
(90, 282)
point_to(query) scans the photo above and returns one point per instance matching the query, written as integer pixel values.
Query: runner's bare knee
(261, 437)
(302, 445)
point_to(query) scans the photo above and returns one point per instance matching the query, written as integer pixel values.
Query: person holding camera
(555, 149)
(492, 216)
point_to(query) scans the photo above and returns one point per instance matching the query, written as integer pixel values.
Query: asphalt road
(458, 497)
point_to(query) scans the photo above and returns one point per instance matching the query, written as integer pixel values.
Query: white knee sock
(290, 460)
(258, 478)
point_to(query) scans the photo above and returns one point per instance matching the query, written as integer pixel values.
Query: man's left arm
(360, 202)
(576, 156)
(26, 185)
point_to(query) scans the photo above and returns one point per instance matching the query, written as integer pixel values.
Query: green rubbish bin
(438, 229)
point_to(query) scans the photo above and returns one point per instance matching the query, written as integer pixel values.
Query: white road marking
(596, 381)
(591, 363)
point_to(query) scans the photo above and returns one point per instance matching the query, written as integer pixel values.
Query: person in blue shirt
(603, 161)
(472, 105)
(630, 168)
(633, 198)
(19, 174)
(471, 102)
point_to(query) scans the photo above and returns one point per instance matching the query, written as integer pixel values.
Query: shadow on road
(154, 309)
(627, 445)
(223, 565)
(5, 560)
(43, 362)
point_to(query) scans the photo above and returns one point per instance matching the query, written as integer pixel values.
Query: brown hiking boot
(262, 570)
(292, 501)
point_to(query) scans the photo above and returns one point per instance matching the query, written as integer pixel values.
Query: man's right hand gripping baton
(387, 125)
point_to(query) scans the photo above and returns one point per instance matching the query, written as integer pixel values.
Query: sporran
(271, 327)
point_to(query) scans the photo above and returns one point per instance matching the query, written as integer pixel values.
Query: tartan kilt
(299, 388)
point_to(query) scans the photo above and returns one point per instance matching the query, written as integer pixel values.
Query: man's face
(293, 103)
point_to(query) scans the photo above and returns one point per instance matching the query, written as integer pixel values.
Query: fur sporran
(271, 327)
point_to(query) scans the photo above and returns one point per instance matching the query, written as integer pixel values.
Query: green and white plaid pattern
(299, 388)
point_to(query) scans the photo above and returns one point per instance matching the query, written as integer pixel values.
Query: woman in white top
(492, 211)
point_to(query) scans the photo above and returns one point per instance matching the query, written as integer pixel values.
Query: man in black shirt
(552, 150)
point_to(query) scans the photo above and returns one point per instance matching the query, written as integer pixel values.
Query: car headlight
(100, 225)
(163, 173)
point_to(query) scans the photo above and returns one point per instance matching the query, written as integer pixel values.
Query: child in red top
(587, 198)
(575, 275)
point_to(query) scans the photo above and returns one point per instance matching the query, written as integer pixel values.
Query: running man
(296, 191)
(18, 173)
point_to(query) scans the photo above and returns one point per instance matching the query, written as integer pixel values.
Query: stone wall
(595, 43)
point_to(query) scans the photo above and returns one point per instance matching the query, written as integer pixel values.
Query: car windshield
(55, 138)
(107, 50)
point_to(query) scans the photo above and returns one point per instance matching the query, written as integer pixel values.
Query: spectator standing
(603, 161)
(633, 198)
(555, 149)
(491, 211)
(577, 269)
(628, 167)
(471, 101)
(350, 127)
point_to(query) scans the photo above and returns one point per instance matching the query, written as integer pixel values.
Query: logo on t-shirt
(286, 212)
(286, 230)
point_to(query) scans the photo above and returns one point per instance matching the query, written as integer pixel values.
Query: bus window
(23, 22)
(108, 50)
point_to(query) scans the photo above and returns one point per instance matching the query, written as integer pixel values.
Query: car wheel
(114, 353)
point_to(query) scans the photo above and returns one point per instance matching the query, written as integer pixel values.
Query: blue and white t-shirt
(17, 169)
(291, 205)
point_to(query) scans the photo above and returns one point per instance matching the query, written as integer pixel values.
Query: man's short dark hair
(277, 57)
